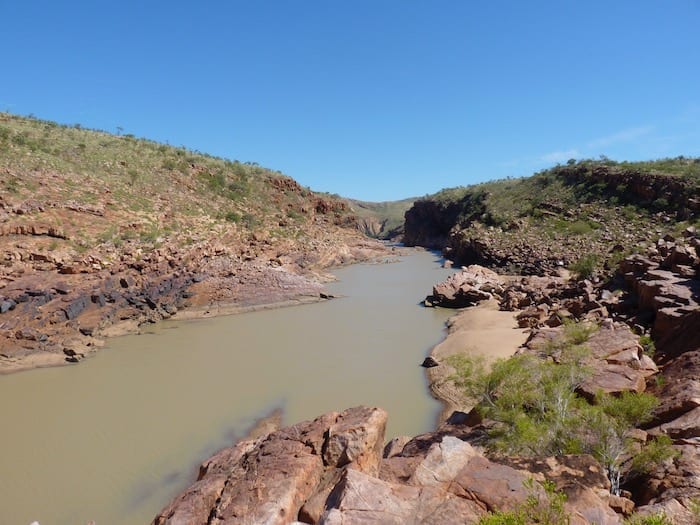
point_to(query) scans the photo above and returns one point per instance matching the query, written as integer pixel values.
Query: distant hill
(382, 220)
(587, 212)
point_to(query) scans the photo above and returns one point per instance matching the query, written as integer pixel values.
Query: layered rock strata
(56, 312)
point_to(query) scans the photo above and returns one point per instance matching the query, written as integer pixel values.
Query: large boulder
(361, 499)
(270, 479)
(467, 287)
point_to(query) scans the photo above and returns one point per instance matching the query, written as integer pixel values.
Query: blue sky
(371, 99)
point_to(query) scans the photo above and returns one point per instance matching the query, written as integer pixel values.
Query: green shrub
(653, 453)
(580, 227)
(545, 507)
(578, 333)
(656, 519)
(694, 508)
(232, 216)
(647, 344)
(585, 267)
(535, 409)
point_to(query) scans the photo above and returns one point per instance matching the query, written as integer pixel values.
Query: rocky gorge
(101, 235)
(337, 468)
(641, 317)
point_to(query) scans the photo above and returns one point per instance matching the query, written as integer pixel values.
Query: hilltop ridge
(587, 212)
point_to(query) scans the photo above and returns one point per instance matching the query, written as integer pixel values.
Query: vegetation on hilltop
(144, 191)
(595, 209)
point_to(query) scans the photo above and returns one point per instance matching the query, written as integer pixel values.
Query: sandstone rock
(682, 335)
(583, 481)
(395, 446)
(357, 437)
(621, 505)
(680, 392)
(195, 504)
(284, 475)
(666, 295)
(613, 379)
(587, 507)
(466, 288)
(359, 498)
(291, 474)
(680, 514)
(684, 426)
(443, 462)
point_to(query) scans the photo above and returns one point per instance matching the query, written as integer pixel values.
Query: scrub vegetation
(534, 409)
(585, 215)
(151, 191)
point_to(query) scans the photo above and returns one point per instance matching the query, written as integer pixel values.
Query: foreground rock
(331, 471)
(285, 475)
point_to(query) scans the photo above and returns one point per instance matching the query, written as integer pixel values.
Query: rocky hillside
(586, 215)
(382, 220)
(100, 233)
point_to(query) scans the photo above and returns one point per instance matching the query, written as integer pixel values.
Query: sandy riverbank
(480, 330)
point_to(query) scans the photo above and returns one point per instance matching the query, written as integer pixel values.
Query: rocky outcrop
(616, 360)
(656, 294)
(428, 223)
(467, 287)
(651, 190)
(56, 309)
(285, 475)
(331, 471)
(151, 232)
(556, 219)
(664, 295)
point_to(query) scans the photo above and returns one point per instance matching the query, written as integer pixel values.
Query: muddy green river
(114, 438)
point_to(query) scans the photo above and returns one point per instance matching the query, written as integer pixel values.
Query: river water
(114, 438)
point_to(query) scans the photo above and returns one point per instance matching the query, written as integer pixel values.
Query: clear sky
(371, 99)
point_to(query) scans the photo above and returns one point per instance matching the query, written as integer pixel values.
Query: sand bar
(480, 330)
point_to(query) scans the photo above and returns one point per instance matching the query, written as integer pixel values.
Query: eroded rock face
(664, 294)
